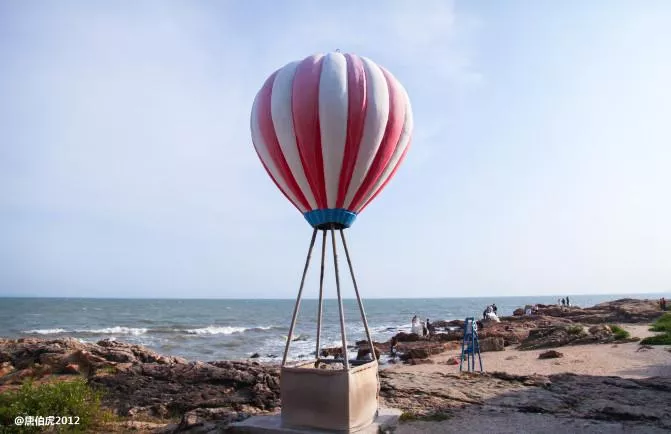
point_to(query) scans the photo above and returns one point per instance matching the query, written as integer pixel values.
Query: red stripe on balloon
(356, 115)
(267, 130)
(305, 111)
(277, 185)
(390, 140)
(391, 175)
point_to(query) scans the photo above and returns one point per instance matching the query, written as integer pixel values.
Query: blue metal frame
(470, 345)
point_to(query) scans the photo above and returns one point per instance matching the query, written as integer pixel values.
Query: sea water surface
(234, 329)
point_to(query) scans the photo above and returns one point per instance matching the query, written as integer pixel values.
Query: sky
(540, 161)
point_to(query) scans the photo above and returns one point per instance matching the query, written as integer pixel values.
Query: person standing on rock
(563, 302)
(568, 303)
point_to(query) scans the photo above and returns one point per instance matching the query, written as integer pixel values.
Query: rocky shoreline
(182, 396)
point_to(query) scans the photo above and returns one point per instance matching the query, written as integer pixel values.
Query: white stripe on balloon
(375, 123)
(283, 123)
(333, 104)
(403, 142)
(262, 149)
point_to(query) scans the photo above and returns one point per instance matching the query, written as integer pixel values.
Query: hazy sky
(541, 161)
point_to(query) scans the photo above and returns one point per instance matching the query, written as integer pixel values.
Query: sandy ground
(622, 360)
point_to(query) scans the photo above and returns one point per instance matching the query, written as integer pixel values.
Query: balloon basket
(315, 395)
(337, 400)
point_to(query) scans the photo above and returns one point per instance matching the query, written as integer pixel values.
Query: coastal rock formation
(621, 404)
(625, 310)
(557, 336)
(167, 390)
(207, 397)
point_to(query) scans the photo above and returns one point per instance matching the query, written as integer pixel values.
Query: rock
(547, 337)
(557, 403)
(255, 356)
(6, 368)
(452, 361)
(446, 337)
(408, 337)
(552, 354)
(205, 420)
(602, 332)
(331, 352)
(364, 353)
(71, 369)
(424, 349)
(491, 344)
(518, 312)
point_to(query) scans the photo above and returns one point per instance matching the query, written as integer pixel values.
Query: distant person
(494, 308)
(429, 327)
(662, 303)
(563, 302)
(568, 303)
(417, 326)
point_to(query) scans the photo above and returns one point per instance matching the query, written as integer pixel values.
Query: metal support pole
(358, 298)
(342, 312)
(321, 297)
(298, 298)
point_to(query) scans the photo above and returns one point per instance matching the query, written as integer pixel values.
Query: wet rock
(331, 352)
(255, 356)
(408, 337)
(551, 354)
(364, 353)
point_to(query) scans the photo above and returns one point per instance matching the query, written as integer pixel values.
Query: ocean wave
(137, 331)
(44, 331)
(215, 330)
(116, 330)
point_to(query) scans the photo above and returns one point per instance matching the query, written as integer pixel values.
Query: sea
(234, 329)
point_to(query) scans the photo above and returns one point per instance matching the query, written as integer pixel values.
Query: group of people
(564, 301)
(490, 313)
(422, 328)
(662, 303)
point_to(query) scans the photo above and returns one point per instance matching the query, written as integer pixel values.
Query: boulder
(551, 354)
(364, 353)
(408, 337)
(331, 352)
(491, 344)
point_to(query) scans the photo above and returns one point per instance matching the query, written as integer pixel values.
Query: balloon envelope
(331, 130)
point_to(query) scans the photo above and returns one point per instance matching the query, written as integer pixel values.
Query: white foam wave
(45, 331)
(117, 330)
(214, 330)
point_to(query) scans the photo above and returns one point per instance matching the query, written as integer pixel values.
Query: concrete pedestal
(385, 421)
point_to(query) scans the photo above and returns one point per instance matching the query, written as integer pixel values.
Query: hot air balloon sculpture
(331, 130)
